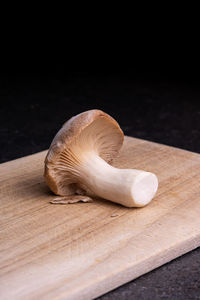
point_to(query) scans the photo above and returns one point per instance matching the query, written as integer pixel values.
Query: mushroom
(78, 163)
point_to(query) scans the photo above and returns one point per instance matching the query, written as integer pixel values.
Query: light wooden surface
(80, 251)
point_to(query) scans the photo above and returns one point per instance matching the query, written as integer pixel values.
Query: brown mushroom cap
(91, 130)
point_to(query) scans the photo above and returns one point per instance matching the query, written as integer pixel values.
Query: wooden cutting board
(80, 251)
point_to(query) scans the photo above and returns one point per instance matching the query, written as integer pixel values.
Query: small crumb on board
(114, 215)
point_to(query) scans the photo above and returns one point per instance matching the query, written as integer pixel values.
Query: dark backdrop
(158, 102)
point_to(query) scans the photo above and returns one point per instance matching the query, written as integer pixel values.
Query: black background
(153, 101)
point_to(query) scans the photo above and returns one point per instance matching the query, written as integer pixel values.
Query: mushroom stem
(129, 187)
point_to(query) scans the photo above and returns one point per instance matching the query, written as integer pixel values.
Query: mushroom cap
(90, 131)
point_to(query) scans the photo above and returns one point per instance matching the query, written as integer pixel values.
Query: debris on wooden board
(114, 215)
(71, 199)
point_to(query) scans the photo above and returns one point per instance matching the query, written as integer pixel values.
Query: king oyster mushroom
(77, 163)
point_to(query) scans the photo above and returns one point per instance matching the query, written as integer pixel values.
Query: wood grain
(82, 250)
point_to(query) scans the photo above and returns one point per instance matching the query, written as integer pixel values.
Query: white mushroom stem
(129, 187)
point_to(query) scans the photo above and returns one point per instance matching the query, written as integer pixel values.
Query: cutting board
(82, 250)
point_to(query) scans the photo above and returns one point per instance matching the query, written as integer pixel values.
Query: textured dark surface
(33, 108)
